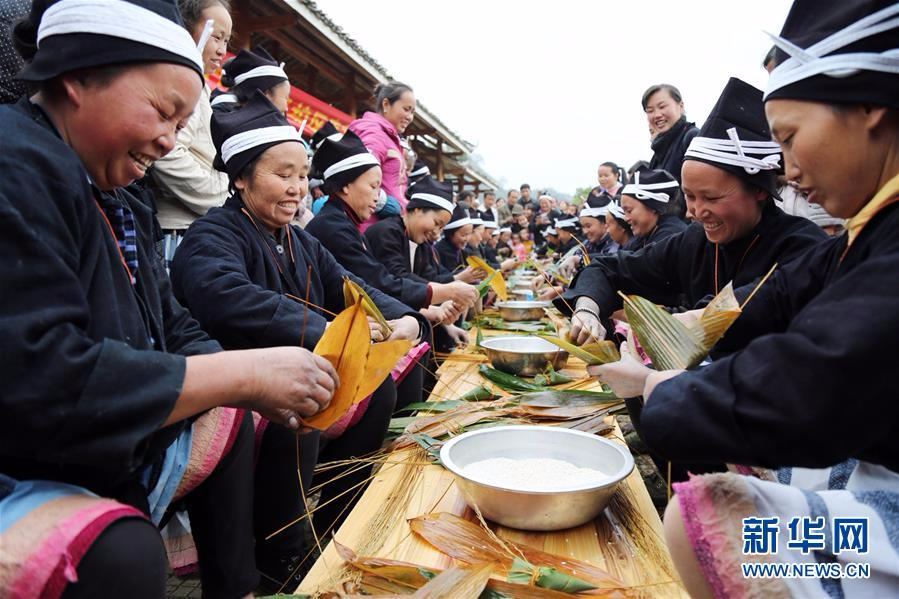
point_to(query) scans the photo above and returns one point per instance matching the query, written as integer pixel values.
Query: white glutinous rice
(532, 474)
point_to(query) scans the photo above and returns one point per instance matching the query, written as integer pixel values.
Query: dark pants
(278, 498)
(680, 471)
(128, 559)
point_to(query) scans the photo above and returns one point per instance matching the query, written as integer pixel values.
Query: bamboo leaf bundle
(473, 544)
(598, 352)
(494, 278)
(672, 345)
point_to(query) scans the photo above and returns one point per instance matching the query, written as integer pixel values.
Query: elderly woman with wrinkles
(115, 402)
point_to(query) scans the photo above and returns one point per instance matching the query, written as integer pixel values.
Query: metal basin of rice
(556, 509)
(521, 310)
(523, 355)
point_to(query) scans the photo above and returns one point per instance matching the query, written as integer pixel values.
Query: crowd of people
(174, 253)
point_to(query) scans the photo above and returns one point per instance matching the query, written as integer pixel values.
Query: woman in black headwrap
(780, 401)
(115, 402)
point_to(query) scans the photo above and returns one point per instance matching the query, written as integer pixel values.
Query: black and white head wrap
(568, 224)
(340, 161)
(655, 189)
(431, 194)
(242, 135)
(253, 69)
(475, 218)
(596, 206)
(222, 100)
(458, 219)
(843, 52)
(82, 34)
(736, 138)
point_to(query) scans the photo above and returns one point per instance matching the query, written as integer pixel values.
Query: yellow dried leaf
(494, 278)
(470, 543)
(351, 291)
(717, 317)
(456, 582)
(361, 365)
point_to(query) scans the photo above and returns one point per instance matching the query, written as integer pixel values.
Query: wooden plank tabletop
(634, 551)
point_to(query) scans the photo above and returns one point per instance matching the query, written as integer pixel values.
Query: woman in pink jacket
(380, 132)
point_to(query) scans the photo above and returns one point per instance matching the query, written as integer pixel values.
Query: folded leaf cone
(672, 345)
(597, 352)
(360, 365)
(494, 278)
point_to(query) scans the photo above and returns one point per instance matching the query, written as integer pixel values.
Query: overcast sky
(547, 90)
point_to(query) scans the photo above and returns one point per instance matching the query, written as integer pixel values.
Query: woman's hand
(470, 275)
(508, 264)
(568, 265)
(458, 336)
(462, 294)
(406, 327)
(585, 325)
(289, 383)
(627, 377)
(540, 280)
(551, 293)
(451, 312)
(434, 313)
(375, 330)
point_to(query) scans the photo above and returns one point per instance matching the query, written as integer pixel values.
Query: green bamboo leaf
(667, 341)
(566, 398)
(479, 393)
(523, 572)
(600, 352)
(432, 406)
(509, 382)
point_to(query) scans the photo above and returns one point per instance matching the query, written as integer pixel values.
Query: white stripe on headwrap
(246, 140)
(505, 229)
(436, 200)
(477, 222)
(489, 224)
(550, 231)
(224, 99)
(568, 222)
(420, 172)
(120, 19)
(642, 190)
(204, 37)
(734, 151)
(814, 60)
(267, 70)
(455, 224)
(616, 211)
(594, 212)
(351, 162)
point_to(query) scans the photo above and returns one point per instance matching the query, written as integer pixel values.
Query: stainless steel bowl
(523, 355)
(522, 295)
(517, 310)
(562, 507)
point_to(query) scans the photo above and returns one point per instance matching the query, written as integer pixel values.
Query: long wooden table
(633, 551)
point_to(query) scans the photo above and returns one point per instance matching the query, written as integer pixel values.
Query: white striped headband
(550, 231)
(818, 59)
(455, 224)
(351, 162)
(595, 212)
(644, 191)
(224, 99)
(116, 18)
(736, 152)
(616, 211)
(424, 170)
(241, 142)
(433, 199)
(267, 70)
(568, 222)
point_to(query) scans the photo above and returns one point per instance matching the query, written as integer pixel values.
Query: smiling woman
(113, 379)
